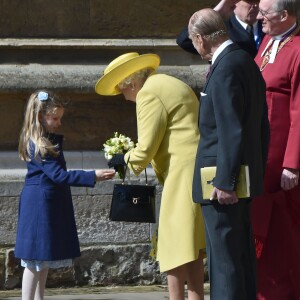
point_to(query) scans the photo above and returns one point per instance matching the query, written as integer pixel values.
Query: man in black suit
(242, 25)
(234, 131)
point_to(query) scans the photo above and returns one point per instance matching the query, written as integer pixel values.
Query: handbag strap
(126, 171)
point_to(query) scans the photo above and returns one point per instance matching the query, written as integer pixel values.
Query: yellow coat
(168, 136)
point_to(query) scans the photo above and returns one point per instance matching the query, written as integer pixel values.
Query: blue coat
(46, 223)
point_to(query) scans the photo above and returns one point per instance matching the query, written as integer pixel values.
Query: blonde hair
(39, 103)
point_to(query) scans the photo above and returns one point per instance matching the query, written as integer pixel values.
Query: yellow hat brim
(107, 84)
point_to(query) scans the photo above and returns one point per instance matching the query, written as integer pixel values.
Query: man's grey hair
(291, 6)
(141, 74)
(209, 24)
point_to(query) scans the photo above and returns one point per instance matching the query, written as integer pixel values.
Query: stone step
(15, 78)
(52, 43)
(74, 65)
(92, 50)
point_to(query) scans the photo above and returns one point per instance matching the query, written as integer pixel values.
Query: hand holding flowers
(114, 150)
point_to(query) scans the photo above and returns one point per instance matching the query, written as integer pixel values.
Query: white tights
(33, 284)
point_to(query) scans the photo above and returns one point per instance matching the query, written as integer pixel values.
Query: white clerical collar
(220, 49)
(280, 36)
(276, 40)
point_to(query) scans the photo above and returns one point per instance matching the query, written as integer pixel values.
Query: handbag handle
(126, 171)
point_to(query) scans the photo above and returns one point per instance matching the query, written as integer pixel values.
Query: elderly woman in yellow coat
(167, 116)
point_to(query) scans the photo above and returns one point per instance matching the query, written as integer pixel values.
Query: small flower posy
(119, 144)
(42, 96)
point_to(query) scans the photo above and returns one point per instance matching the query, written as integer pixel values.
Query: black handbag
(133, 203)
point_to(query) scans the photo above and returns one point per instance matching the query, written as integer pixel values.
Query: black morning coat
(233, 122)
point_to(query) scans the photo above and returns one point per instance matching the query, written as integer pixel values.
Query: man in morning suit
(234, 131)
(242, 26)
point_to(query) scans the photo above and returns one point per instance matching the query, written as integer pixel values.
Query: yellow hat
(122, 67)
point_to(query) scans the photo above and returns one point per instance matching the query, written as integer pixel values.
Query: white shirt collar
(276, 38)
(220, 49)
(245, 24)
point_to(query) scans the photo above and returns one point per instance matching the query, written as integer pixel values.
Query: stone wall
(96, 18)
(90, 119)
(65, 46)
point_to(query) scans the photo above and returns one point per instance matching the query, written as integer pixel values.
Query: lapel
(228, 49)
(238, 32)
(239, 35)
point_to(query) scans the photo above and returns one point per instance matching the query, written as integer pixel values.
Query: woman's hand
(104, 174)
(117, 160)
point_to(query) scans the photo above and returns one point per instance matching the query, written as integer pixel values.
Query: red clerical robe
(276, 214)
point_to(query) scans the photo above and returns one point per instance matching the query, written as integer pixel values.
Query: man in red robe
(276, 214)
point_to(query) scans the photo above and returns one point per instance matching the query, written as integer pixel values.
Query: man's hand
(289, 179)
(224, 197)
(225, 8)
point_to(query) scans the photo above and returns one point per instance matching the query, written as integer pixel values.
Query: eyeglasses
(265, 13)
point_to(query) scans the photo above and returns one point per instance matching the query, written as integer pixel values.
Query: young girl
(46, 233)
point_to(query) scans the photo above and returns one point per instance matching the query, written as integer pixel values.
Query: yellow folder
(208, 174)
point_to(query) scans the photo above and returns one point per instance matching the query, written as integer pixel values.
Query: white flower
(118, 144)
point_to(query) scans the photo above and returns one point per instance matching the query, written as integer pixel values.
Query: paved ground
(114, 296)
(114, 293)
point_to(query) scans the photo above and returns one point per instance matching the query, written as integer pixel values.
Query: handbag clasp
(135, 200)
